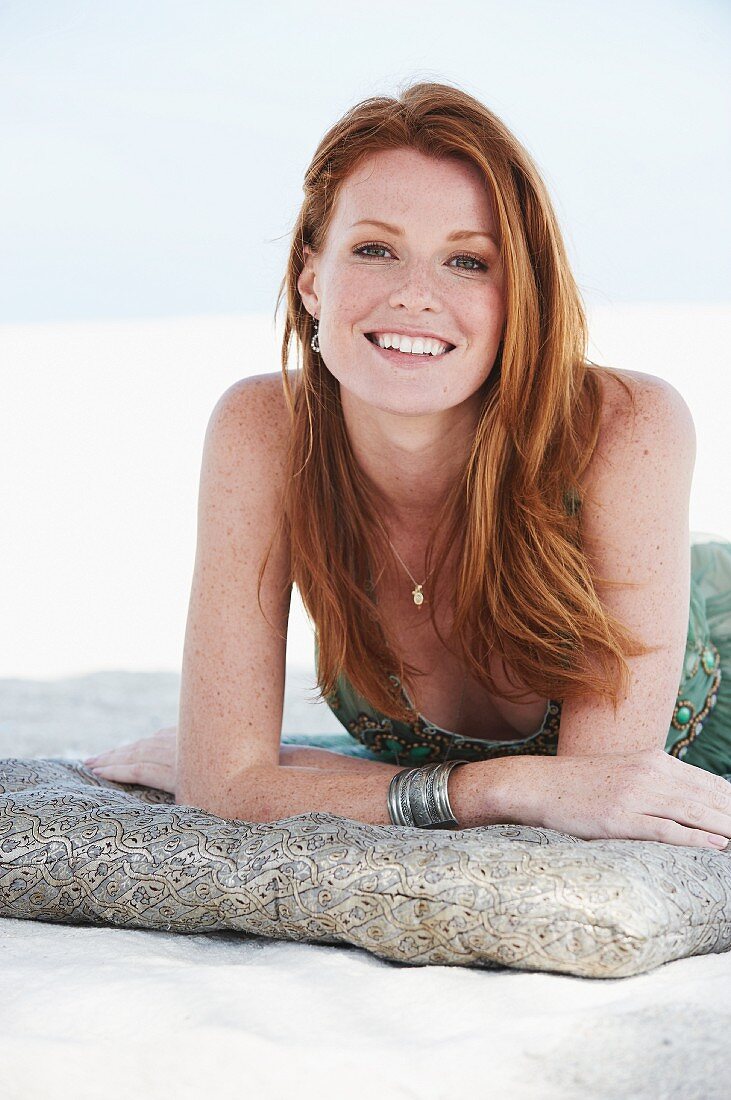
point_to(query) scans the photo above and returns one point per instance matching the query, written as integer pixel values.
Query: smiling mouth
(410, 354)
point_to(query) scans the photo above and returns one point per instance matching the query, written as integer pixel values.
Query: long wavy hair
(523, 581)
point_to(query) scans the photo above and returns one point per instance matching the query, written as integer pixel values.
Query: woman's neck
(411, 462)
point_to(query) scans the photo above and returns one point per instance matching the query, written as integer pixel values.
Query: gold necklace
(417, 593)
(418, 596)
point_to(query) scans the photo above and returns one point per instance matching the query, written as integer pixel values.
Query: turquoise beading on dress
(700, 729)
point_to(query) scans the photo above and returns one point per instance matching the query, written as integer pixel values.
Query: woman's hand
(643, 795)
(150, 762)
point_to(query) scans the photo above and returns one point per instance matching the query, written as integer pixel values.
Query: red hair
(523, 581)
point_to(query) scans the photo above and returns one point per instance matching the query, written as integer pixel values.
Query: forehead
(408, 188)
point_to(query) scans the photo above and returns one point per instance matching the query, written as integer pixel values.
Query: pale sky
(153, 150)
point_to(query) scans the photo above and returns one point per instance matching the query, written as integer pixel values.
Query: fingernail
(718, 841)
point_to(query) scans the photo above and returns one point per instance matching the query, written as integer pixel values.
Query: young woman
(484, 526)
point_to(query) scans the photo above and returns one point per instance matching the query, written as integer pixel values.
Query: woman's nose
(415, 289)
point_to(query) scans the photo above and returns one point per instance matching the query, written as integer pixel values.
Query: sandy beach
(123, 1012)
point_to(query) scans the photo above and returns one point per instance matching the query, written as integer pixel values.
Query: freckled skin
(410, 430)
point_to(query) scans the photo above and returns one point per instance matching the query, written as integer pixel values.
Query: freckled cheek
(353, 295)
(350, 307)
(484, 318)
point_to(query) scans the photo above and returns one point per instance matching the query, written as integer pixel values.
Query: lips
(450, 347)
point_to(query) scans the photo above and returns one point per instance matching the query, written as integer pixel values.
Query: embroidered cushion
(77, 849)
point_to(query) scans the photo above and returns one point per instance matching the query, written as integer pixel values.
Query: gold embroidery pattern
(685, 717)
(426, 744)
(382, 738)
(364, 722)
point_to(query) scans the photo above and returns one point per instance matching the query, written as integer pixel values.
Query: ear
(306, 284)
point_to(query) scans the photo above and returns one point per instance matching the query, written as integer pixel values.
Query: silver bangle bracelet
(419, 796)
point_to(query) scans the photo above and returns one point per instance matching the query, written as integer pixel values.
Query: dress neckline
(461, 737)
(370, 589)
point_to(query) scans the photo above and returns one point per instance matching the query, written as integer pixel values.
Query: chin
(408, 404)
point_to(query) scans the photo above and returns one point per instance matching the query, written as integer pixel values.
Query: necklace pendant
(417, 594)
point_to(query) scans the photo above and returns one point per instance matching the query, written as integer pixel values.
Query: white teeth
(416, 345)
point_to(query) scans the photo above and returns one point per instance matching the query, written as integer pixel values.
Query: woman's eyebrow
(458, 235)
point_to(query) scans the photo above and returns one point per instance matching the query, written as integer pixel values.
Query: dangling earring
(315, 341)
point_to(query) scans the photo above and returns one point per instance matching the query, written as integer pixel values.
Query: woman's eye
(473, 259)
(369, 250)
(362, 250)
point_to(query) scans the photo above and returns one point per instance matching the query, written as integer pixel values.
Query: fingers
(683, 795)
(125, 754)
(719, 794)
(154, 750)
(675, 808)
(700, 784)
(143, 773)
(149, 762)
(672, 832)
(699, 816)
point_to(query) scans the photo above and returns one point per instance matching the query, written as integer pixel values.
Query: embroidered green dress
(700, 729)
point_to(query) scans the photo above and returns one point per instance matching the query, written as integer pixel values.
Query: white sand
(90, 1012)
(99, 1012)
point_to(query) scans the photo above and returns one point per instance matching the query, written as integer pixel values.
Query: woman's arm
(232, 676)
(152, 761)
(355, 789)
(308, 778)
(645, 795)
(635, 528)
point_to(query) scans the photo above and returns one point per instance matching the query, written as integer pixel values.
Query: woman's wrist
(486, 792)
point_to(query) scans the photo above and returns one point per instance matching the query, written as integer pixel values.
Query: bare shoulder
(625, 390)
(645, 413)
(244, 465)
(246, 445)
(256, 407)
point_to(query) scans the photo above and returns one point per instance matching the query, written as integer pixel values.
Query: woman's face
(412, 277)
